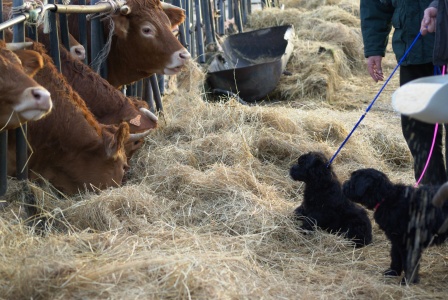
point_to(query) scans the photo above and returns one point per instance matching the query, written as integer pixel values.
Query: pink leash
(432, 146)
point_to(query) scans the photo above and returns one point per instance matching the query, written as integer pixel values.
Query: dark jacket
(377, 19)
(441, 43)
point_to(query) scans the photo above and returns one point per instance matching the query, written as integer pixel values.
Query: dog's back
(324, 203)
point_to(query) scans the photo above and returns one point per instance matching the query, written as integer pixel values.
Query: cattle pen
(206, 19)
(206, 209)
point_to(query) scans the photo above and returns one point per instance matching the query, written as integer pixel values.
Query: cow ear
(175, 14)
(121, 26)
(114, 143)
(32, 61)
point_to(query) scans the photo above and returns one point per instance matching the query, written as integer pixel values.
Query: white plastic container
(424, 99)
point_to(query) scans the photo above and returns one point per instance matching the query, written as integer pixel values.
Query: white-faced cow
(143, 42)
(108, 104)
(70, 148)
(22, 99)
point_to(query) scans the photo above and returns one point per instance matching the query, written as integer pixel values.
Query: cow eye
(147, 31)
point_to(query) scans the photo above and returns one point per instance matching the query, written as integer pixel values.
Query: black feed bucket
(251, 62)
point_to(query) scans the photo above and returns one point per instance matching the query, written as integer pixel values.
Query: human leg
(419, 135)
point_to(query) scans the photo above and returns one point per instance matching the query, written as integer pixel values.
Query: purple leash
(374, 99)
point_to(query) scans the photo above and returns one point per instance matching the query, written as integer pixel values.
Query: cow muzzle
(178, 60)
(34, 103)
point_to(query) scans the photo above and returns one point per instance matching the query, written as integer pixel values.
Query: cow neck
(101, 98)
(69, 111)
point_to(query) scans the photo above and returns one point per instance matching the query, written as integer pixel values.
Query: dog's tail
(441, 196)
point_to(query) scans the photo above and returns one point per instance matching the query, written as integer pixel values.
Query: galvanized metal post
(238, 19)
(222, 17)
(181, 26)
(82, 26)
(244, 10)
(3, 162)
(63, 23)
(148, 94)
(156, 93)
(139, 89)
(21, 145)
(161, 83)
(208, 24)
(96, 43)
(191, 28)
(54, 37)
(187, 5)
(3, 137)
(199, 32)
(230, 9)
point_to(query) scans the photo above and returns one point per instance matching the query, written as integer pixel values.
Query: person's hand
(429, 20)
(374, 67)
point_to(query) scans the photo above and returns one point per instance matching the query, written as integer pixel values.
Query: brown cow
(143, 42)
(21, 98)
(107, 103)
(70, 148)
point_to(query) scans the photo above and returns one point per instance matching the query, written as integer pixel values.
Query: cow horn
(149, 114)
(133, 137)
(166, 5)
(125, 10)
(441, 196)
(18, 46)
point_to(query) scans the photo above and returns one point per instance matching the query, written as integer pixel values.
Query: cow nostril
(40, 95)
(185, 55)
(79, 52)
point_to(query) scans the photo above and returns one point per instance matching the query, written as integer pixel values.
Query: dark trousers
(419, 135)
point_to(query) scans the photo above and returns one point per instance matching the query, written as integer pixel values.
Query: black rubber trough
(251, 63)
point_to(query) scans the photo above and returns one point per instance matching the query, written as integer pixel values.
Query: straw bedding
(206, 210)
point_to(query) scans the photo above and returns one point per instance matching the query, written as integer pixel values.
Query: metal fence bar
(54, 38)
(199, 32)
(82, 27)
(96, 44)
(156, 92)
(3, 138)
(63, 24)
(3, 162)
(21, 146)
(222, 17)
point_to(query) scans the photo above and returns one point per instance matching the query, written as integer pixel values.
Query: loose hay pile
(206, 209)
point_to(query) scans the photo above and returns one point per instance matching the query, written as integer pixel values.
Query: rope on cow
(102, 55)
(30, 7)
(115, 6)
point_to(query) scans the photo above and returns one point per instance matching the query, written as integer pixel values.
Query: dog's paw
(391, 273)
(405, 281)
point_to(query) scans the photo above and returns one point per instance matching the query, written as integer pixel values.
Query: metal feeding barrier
(205, 20)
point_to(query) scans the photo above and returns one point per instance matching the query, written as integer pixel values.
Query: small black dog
(324, 205)
(406, 215)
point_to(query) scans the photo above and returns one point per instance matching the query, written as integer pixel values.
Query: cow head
(76, 49)
(98, 167)
(21, 98)
(144, 44)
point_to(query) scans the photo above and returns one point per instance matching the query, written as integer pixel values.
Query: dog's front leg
(396, 264)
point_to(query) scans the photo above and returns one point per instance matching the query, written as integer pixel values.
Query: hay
(206, 210)
(327, 48)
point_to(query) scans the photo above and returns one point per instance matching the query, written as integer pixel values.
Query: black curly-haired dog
(406, 214)
(324, 205)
